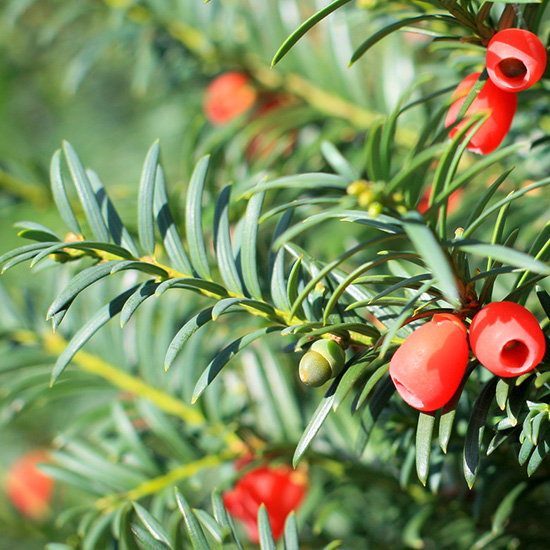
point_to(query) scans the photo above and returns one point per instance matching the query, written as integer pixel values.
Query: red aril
(507, 339)
(280, 488)
(498, 104)
(228, 96)
(429, 365)
(29, 489)
(515, 59)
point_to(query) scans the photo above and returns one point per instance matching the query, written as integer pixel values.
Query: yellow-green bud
(401, 209)
(356, 187)
(323, 361)
(365, 198)
(397, 197)
(375, 209)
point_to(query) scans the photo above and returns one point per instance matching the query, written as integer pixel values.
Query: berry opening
(514, 354)
(512, 68)
(407, 396)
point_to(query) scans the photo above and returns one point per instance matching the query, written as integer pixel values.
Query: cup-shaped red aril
(516, 59)
(498, 104)
(428, 367)
(507, 339)
(228, 96)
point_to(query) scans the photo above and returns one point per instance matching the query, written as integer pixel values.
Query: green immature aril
(429, 365)
(507, 339)
(324, 360)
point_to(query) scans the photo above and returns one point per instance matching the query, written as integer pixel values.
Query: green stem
(326, 102)
(152, 486)
(55, 344)
(32, 192)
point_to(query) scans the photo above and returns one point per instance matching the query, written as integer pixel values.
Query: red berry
(507, 339)
(428, 367)
(453, 202)
(516, 59)
(227, 97)
(500, 105)
(280, 488)
(29, 489)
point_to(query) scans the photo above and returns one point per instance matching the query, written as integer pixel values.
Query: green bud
(375, 209)
(314, 369)
(402, 209)
(365, 198)
(397, 197)
(324, 360)
(356, 187)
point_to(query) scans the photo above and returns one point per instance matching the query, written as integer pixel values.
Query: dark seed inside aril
(512, 68)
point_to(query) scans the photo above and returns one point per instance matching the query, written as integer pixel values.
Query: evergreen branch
(155, 536)
(196, 534)
(269, 312)
(169, 277)
(305, 27)
(120, 235)
(146, 224)
(60, 197)
(86, 193)
(168, 230)
(193, 219)
(464, 17)
(329, 103)
(157, 484)
(389, 29)
(83, 335)
(55, 344)
(32, 192)
(223, 245)
(36, 232)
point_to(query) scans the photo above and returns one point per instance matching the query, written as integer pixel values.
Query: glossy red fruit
(29, 489)
(428, 367)
(507, 339)
(516, 59)
(500, 105)
(280, 488)
(227, 97)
